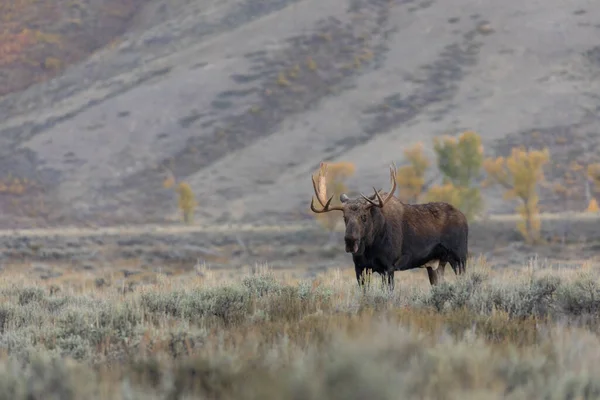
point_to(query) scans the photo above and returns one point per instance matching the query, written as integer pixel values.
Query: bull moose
(384, 235)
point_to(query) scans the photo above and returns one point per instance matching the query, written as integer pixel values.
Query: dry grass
(518, 334)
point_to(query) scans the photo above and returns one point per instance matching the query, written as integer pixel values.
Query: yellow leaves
(187, 201)
(282, 80)
(447, 193)
(593, 206)
(417, 158)
(14, 186)
(169, 182)
(593, 172)
(466, 199)
(410, 183)
(411, 178)
(520, 174)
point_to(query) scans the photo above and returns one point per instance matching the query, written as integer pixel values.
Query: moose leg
(433, 276)
(360, 276)
(441, 270)
(456, 266)
(388, 280)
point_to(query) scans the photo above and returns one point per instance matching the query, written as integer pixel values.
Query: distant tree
(460, 161)
(410, 178)
(335, 175)
(186, 200)
(593, 175)
(519, 175)
(593, 206)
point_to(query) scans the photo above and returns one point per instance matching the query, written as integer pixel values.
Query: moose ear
(344, 198)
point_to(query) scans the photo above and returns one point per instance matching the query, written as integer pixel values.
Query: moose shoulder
(385, 235)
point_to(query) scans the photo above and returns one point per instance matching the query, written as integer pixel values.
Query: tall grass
(529, 333)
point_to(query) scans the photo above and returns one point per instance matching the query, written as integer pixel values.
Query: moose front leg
(388, 279)
(360, 276)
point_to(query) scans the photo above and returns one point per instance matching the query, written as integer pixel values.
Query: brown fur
(394, 236)
(399, 237)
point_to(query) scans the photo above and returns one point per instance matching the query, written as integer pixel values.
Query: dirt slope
(244, 98)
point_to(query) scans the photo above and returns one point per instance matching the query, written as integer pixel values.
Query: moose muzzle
(351, 245)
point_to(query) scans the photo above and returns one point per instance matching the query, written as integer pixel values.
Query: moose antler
(389, 195)
(321, 192)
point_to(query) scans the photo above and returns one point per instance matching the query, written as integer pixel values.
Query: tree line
(465, 171)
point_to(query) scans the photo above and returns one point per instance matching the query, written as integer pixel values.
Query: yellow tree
(593, 173)
(410, 178)
(335, 176)
(460, 161)
(519, 175)
(186, 200)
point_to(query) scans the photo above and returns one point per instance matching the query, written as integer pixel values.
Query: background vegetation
(39, 38)
(463, 172)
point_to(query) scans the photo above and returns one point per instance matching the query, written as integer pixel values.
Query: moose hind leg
(441, 269)
(433, 276)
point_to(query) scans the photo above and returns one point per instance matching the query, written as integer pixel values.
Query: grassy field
(520, 333)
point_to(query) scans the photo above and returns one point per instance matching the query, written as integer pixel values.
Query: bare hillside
(243, 98)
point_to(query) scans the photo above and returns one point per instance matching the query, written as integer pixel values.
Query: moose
(384, 235)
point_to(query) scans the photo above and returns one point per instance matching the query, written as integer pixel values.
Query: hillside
(244, 98)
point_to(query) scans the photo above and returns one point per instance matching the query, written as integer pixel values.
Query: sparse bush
(519, 175)
(485, 335)
(460, 161)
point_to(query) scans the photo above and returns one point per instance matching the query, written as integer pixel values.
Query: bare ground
(128, 254)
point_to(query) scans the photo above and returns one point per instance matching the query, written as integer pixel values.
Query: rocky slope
(244, 98)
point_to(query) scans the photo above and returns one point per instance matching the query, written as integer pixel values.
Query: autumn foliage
(38, 38)
(411, 177)
(187, 201)
(519, 174)
(593, 172)
(460, 161)
(593, 206)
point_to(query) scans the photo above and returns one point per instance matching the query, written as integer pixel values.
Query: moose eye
(363, 217)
